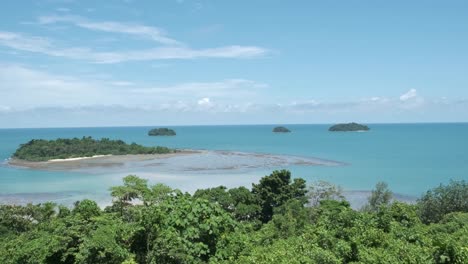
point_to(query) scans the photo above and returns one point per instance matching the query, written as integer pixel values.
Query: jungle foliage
(161, 132)
(272, 223)
(64, 148)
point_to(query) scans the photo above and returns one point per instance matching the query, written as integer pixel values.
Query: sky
(66, 63)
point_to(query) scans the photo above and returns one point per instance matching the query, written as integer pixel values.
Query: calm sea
(411, 158)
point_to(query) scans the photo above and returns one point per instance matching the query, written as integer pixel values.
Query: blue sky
(181, 62)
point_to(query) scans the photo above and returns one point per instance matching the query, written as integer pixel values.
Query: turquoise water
(411, 158)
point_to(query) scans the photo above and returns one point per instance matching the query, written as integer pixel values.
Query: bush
(438, 202)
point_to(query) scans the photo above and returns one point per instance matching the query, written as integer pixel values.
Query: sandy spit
(95, 161)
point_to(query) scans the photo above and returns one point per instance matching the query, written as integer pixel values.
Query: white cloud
(46, 46)
(411, 100)
(153, 33)
(205, 102)
(26, 88)
(20, 42)
(170, 49)
(5, 108)
(227, 89)
(409, 95)
(21, 88)
(122, 83)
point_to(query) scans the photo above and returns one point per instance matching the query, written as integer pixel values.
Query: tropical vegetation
(348, 127)
(161, 132)
(63, 148)
(281, 129)
(279, 220)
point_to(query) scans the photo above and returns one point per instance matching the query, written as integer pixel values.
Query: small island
(38, 150)
(348, 127)
(281, 129)
(161, 132)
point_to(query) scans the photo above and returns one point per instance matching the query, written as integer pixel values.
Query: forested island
(348, 127)
(281, 129)
(161, 132)
(279, 220)
(63, 148)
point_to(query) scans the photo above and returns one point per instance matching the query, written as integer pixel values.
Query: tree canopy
(436, 203)
(269, 224)
(348, 127)
(63, 148)
(281, 129)
(161, 132)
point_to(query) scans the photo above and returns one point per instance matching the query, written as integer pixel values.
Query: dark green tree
(134, 188)
(63, 148)
(239, 202)
(437, 202)
(276, 189)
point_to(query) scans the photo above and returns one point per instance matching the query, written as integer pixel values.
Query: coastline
(93, 161)
(78, 158)
(187, 160)
(357, 198)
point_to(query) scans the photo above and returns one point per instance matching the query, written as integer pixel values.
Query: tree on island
(348, 127)
(281, 129)
(64, 148)
(161, 132)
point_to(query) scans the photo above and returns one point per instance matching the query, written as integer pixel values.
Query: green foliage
(72, 239)
(348, 127)
(189, 230)
(281, 129)
(109, 242)
(239, 202)
(86, 209)
(43, 150)
(295, 250)
(437, 202)
(133, 188)
(161, 132)
(379, 197)
(276, 189)
(450, 238)
(157, 224)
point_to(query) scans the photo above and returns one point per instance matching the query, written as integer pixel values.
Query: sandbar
(94, 161)
(180, 161)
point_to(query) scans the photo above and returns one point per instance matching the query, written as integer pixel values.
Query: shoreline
(93, 161)
(357, 198)
(78, 158)
(182, 160)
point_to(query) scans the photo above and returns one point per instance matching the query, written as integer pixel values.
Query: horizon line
(258, 124)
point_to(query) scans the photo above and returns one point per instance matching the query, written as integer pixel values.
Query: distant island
(45, 150)
(281, 129)
(348, 127)
(161, 132)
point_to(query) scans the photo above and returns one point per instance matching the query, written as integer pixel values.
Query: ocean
(410, 158)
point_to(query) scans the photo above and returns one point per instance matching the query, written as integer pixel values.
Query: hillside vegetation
(279, 220)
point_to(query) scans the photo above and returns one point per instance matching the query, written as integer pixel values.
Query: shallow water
(411, 158)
